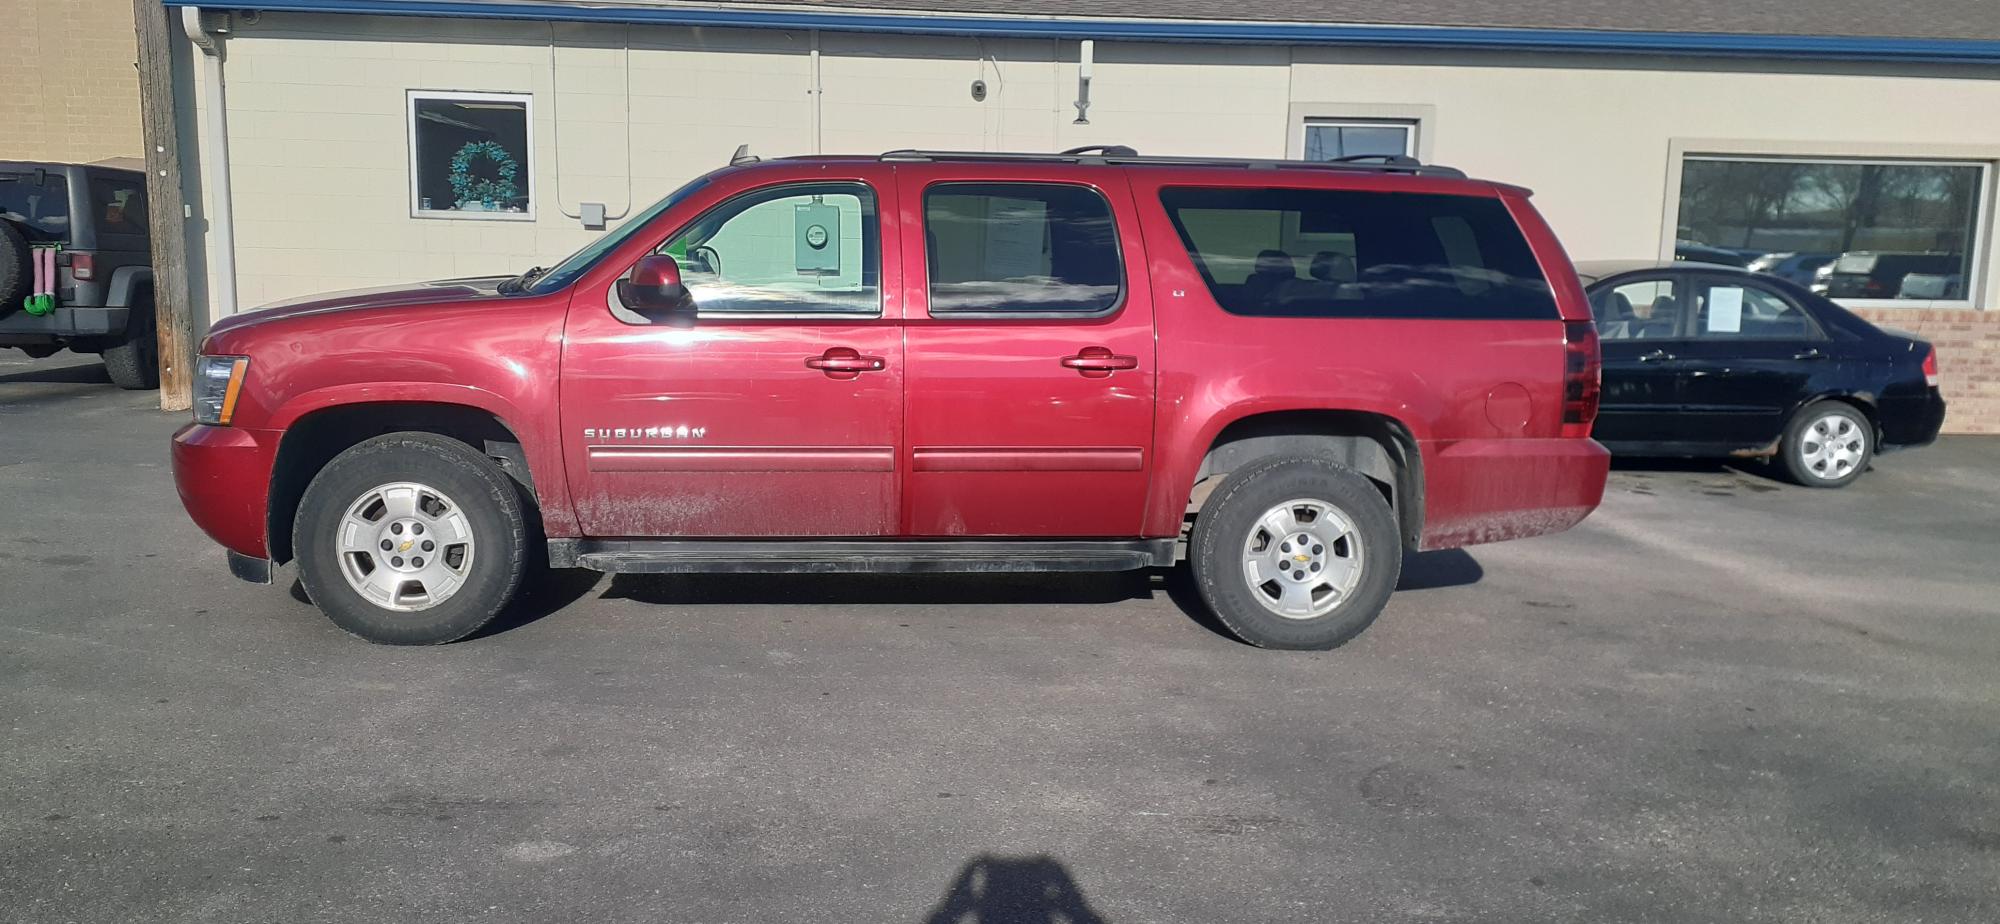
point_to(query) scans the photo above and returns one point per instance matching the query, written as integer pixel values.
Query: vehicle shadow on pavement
(83, 373)
(1765, 476)
(1013, 890)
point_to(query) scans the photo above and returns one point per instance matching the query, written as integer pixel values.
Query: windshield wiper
(516, 284)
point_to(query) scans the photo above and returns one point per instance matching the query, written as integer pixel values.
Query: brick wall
(1968, 347)
(69, 87)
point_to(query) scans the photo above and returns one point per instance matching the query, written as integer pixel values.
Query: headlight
(217, 382)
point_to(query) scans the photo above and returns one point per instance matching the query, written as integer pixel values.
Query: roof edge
(1711, 44)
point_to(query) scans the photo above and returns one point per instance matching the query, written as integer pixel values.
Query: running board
(856, 556)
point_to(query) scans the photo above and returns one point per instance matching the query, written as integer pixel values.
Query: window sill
(1918, 303)
(455, 215)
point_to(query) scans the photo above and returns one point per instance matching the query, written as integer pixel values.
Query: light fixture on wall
(979, 91)
(1085, 51)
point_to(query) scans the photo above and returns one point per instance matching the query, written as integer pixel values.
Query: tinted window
(1643, 309)
(1731, 310)
(42, 209)
(788, 250)
(120, 205)
(1335, 253)
(1021, 247)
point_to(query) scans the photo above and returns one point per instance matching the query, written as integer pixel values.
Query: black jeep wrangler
(76, 266)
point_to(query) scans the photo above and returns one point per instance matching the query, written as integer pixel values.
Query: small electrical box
(592, 214)
(818, 246)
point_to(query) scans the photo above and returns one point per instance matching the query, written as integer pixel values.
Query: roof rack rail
(1121, 155)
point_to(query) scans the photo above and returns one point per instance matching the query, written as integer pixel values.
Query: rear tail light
(1583, 368)
(82, 266)
(1930, 366)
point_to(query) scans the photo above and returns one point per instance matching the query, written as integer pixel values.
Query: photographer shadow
(993, 889)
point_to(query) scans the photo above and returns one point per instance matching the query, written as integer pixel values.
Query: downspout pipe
(215, 156)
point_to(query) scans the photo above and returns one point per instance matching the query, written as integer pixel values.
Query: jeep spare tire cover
(16, 274)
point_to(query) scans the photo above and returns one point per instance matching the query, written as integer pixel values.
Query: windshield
(575, 264)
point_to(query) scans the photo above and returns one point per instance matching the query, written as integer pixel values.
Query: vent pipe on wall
(215, 156)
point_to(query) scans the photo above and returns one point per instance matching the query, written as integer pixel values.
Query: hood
(443, 290)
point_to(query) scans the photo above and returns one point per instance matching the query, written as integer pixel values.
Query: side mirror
(654, 286)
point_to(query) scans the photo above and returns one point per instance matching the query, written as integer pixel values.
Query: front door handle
(1812, 353)
(1657, 356)
(1098, 362)
(845, 363)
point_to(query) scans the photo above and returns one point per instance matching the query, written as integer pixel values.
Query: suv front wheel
(411, 539)
(1296, 553)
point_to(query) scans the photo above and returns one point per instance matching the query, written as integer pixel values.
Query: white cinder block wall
(320, 161)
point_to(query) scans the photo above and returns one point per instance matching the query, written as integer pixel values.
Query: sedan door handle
(1813, 353)
(845, 363)
(1098, 362)
(1656, 356)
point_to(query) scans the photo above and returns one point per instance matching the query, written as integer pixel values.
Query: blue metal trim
(1851, 48)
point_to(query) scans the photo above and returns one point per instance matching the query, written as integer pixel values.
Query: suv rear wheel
(411, 539)
(133, 360)
(1296, 553)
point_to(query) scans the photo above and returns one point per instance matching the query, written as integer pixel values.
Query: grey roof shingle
(1935, 19)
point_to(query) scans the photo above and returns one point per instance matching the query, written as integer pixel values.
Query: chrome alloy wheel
(1832, 445)
(404, 546)
(1302, 559)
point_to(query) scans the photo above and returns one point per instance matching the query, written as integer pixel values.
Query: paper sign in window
(1725, 310)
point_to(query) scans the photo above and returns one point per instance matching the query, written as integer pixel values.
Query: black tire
(1225, 525)
(1805, 433)
(15, 273)
(133, 360)
(483, 494)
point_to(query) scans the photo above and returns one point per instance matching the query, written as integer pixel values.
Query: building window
(471, 155)
(1328, 139)
(1872, 231)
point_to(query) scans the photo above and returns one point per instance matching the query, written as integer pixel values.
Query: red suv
(1284, 373)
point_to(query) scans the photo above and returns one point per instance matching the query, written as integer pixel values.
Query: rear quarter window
(40, 210)
(1343, 253)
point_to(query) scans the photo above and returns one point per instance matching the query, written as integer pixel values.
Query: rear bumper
(1911, 421)
(224, 478)
(65, 321)
(1478, 491)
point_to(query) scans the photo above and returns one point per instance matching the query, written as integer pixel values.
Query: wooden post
(171, 302)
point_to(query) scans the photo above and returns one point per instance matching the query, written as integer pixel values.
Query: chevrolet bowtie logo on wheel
(681, 432)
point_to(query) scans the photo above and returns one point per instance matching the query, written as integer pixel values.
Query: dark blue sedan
(1703, 360)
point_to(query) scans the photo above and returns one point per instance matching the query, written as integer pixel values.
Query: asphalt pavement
(1721, 698)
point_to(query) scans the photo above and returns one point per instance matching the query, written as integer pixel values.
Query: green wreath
(467, 189)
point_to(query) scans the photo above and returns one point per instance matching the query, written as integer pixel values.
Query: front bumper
(224, 478)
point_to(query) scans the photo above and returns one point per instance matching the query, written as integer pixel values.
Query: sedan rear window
(1343, 253)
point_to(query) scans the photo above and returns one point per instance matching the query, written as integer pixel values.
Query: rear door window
(41, 209)
(1021, 249)
(1730, 309)
(1344, 253)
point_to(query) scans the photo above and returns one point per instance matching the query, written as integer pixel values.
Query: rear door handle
(1813, 353)
(845, 363)
(1098, 362)
(1656, 356)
